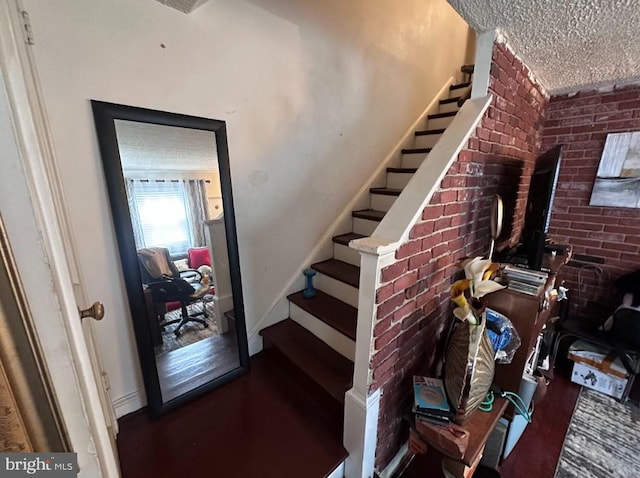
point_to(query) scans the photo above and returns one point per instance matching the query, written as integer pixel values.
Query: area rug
(602, 440)
(190, 333)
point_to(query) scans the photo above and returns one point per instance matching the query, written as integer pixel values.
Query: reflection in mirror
(173, 188)
(184, 289)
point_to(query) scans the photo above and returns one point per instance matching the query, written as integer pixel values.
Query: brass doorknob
(96, 311)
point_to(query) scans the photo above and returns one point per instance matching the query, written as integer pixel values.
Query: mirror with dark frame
(169, 186)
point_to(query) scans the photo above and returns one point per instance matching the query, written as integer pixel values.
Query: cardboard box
(595, 379)
(598, 357)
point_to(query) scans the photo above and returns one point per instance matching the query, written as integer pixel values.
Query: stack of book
(526, 281)
(430, 400)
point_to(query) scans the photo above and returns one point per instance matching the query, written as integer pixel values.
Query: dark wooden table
(479, 426)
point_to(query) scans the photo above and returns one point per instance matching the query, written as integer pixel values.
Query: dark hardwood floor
(263, 424)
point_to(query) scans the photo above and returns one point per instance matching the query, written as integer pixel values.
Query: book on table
(430, 400)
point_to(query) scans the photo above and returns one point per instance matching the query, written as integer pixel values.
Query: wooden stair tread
(333, 312)
(450, 100)
(386, 191)
(430, 131)
(442, 115)
(345, 239)
(416, 151)
(370, 214)
(402, 170)
(325, 366)
(460, 86)
(342, 271)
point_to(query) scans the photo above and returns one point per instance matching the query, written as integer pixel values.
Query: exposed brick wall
(413, 300)
(581, 122)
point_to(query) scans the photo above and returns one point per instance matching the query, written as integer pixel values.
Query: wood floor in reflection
(188, 367)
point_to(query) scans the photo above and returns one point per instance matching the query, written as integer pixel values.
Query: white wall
(314, 93)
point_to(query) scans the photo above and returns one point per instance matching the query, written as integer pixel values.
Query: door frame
(37, 228)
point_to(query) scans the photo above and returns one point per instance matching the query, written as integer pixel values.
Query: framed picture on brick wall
(618, 179)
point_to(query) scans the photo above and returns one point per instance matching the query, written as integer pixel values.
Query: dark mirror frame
(105, 115)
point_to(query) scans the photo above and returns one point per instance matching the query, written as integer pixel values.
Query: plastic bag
(503, 335)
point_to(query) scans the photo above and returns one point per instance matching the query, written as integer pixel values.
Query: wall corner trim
(482, 71)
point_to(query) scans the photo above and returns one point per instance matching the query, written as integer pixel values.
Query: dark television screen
(539, 204)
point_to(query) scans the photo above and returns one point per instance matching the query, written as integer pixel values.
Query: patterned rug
(602, 440)
(190, 333)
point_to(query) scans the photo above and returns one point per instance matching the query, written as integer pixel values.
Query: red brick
(431, 241)
(382, 326)
(408, 249)
(390, 305)
(432, 212)
(419, 260)
(382, 355)
(387, 337)
(413, 290)
(404, 311)
(394, 270)
(421, 229)
(447, 196)
(405, 281)
(384, 292)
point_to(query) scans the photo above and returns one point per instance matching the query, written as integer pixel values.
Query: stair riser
(382, 202)
(364, 226)
(439, 123)
(448, 107)
(398, 180)
(334, 339)
(413, 160)
(458, 92)
(346, 254)
(427, 141)
(339, 290)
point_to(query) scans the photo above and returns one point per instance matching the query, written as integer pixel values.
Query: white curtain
(168, 213)
(134, 213)
(196, 193)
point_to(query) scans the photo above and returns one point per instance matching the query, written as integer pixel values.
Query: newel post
(362, 405)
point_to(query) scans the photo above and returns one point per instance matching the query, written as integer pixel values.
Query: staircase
(318, 338)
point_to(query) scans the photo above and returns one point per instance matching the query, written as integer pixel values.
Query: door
(31, 203)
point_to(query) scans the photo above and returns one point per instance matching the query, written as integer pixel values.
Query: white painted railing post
(361, 405)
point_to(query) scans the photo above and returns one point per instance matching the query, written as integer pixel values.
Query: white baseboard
(338, 471)
(393, 465)
(129, 403)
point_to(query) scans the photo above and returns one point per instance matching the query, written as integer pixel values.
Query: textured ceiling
(184, 6)
(567, 44)
(153, 147)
